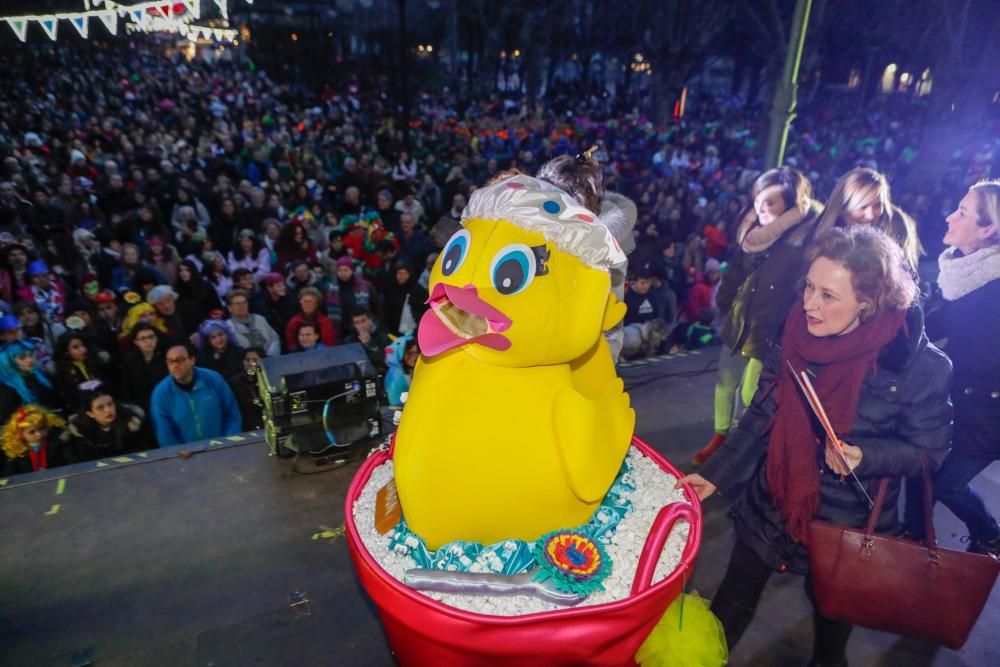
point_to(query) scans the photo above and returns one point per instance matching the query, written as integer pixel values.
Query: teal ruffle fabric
(512, 556)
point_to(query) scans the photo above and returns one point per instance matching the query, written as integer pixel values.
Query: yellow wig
(132, 318)
(27, 416)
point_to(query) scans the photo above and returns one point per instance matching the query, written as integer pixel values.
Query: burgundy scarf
(792, 472)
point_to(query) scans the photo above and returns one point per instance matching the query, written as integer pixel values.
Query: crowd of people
(172, 220)
(165, 224)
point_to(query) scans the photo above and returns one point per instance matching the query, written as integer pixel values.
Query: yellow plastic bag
(688, 635)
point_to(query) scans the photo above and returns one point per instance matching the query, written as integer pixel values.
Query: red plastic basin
(424, 632)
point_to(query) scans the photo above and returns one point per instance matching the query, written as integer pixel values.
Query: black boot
(829, 641)
(735, 618)
(989, 548)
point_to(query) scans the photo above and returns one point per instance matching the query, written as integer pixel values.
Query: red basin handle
(662, 525)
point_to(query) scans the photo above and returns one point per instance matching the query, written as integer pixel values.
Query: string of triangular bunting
(191, 31)
(158, 15)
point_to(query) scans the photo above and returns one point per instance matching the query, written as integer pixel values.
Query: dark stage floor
(177, 561)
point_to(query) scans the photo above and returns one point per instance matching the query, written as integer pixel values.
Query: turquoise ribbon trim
(512, 556)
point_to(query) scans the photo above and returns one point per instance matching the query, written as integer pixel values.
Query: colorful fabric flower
(573, 560)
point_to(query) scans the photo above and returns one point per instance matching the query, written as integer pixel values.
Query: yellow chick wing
(592, 437)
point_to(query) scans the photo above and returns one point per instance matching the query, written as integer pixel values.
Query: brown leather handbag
(886, 583)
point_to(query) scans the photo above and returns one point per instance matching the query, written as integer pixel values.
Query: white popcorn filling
(653, 490)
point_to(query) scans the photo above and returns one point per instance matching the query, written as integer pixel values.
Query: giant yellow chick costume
(516, 422)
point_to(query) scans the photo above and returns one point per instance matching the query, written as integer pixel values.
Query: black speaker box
(296, 389)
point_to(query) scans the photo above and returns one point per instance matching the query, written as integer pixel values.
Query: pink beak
(457, 316)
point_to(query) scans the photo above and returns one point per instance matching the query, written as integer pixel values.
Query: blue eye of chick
(455, 252)
(513, 269)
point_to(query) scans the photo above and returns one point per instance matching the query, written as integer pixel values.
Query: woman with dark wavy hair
(76, 366)
(191, 287)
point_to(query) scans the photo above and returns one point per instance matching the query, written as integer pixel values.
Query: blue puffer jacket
(207, 411)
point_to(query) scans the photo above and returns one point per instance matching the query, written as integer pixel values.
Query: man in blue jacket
(192, 403)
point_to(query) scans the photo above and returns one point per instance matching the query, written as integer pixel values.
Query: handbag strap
(930, 535)
(928, 503)
(883, 487)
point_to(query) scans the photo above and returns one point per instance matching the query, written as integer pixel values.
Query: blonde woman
(969, 323)
(862, 197)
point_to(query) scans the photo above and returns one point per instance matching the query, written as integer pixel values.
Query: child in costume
(31, 441)
(401, 358)
(22, 380)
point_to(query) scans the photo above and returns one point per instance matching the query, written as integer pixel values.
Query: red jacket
(716, 242)
(327, 333)
(700, 296)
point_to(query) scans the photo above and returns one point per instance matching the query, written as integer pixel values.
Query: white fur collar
(961, 274)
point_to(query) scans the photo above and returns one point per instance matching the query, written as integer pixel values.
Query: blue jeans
(952, 488)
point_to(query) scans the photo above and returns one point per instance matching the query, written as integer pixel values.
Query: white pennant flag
(194, 6)
(110, 21)
(223, 7)
(49, 26)
(20, 28)
(80, 23)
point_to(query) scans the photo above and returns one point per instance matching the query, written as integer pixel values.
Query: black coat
(416, 247)
(227, 364)
(69, 377)
(130, 432)
(186, 319)
(903, 412)
(10, 400)
(971, 325)
(656, 304)
(395, 297)
(759, 288)
(248, 398)
(139, 378)
(277, 313)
